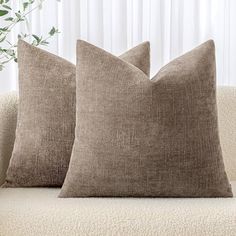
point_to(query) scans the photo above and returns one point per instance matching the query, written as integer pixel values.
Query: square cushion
(146, 138)
(46, 115)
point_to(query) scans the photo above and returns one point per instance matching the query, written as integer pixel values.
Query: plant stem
(10, 26)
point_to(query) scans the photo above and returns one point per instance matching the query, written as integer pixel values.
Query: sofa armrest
(226, 97)
(8, 118)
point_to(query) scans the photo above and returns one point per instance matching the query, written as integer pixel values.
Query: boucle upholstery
(8, 114)
(38, 211)
(227, 123)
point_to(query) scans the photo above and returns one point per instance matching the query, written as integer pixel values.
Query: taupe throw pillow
(46, 118)
(137, 137)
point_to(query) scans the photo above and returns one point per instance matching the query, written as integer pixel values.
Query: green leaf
(7, 7)
(9, 19)
(52, 31)
(25, 5)
(5, 62)
(44, 42)
(18, 15)
(10, 52)
(36, 38)
(2, 50)
(2, 39)
(5, 29)
(3, 12)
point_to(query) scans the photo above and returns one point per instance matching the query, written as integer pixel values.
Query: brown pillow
(140, 138)
(46, 118)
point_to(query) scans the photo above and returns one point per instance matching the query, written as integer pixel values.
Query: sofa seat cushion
(38, 211)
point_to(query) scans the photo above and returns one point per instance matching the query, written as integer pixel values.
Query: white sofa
(38, 211)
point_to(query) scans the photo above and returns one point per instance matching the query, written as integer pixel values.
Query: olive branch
(8, 49)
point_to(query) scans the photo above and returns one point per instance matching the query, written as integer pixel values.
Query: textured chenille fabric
(46, 116)
(146, 138)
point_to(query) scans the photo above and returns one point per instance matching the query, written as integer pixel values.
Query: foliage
(12, 18)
